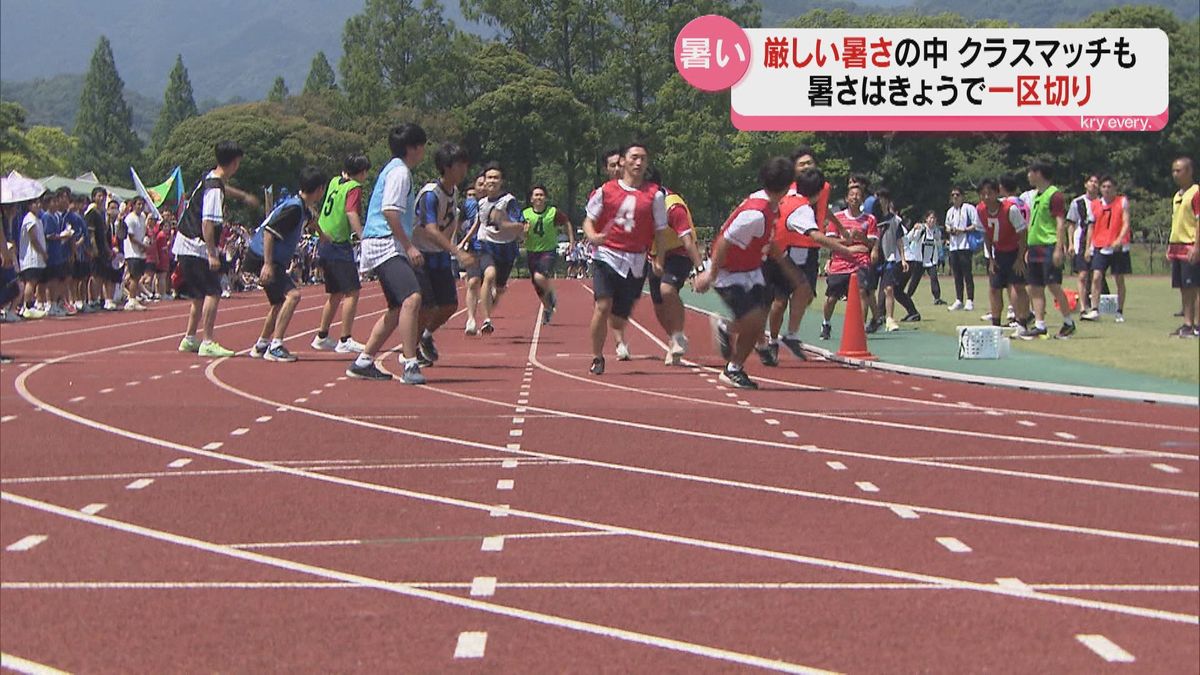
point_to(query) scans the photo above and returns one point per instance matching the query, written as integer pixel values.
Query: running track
(164, 513)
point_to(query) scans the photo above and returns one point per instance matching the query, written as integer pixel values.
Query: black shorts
(59, 272)
(1184, 274)
(1080, 264)
(34, 275)
(136, 267)
(777, 282)
(890, 274)
(838, 285)
(341, 276)
(438, 286)
(102, 268)
(1005, 275)
(82, 269)
(1040, 270)
(398, 280)
(676, 270)
(198, 280)
(541, 262)
(281, 281)
(624, 291)
(502, 257)
(811, 265)
(742, 301)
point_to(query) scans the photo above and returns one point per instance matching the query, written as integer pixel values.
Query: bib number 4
(625, 217)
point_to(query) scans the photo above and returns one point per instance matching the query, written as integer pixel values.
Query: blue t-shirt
(286, 223)
(393, 192)
(57, 252)
(83, 237)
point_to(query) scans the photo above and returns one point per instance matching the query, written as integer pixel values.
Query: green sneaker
(214, 350)
(189, 345)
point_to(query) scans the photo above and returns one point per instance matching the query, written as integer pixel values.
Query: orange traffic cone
(854, 337)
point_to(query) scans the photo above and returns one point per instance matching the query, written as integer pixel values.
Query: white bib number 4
(624, 217)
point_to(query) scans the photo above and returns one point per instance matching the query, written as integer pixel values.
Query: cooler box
(1108, 304)
(982, 342)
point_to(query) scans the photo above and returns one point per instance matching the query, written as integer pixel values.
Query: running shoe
(428, 347)
(970, 306)
(367, 372)
(279, 354)
(423, 360)
(471, 328)
(189, 345)
(548, 311)
(939, 302)
(911, 318)
(258, 351)
(349, 346)
(623, 353)
(487, 328)
(1090, 315)
(412, 373)
(1119, 318)
(794, 345)
(214, 350)
(324, 344)
(1066, 331)
(955, 307)
(874, 325)
(737, 379)
(768, 354)
(891, 326)
(986, 318)
(1032, 333)
(826, 331)
(33, 313)
(1184, 331)
(597, 366)
(5, 359)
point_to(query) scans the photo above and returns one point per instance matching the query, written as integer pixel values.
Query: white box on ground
(1108, 304)
(982, 342)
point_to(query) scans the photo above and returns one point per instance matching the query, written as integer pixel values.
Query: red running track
(519, 515)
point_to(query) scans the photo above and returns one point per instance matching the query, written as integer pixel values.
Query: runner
(470, 241)
(622, 218)
(861, 238)
(673, 257)
(501, 224)
(340, 221)
(1004, 241)
(1107, 246)
(541, 246)
(270, 252)
(437, 217)
(388, 253)
(892, 270)
(1079, 222)
(736, 269)
(1183, 249)
(1046, 239)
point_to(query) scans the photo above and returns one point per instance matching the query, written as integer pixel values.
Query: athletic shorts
(624, 291)
(838, 285)
(398, 280)
(777, 282)
(890, 274)
(742, 301)
(59, 272)
(9, 288)
(438, 285)
(198, 280)
(1122, 263)
(34, 275)
(82, 269)
(502, 257)
(541, 262)
(1184, 274)
(676, 270)
(102, 269)
(1040, 270)
(1080, 264)
(1005, 275)
(136, 267)
(341, 276)
(281, 281)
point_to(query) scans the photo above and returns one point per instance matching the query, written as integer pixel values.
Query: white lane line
(471, 645)
(93, 509)
(240, 431)
(281, 409)
(133, 383)
(264, 418)
(329, 385)
(8, 418)
(731, 395)
(315, 392)
(916, 388)
(836, 466)
(156, 377)
(867, 486)
(194, 366)
(26, 543)
(1105, 648)
(109, 390)
(1167, 468)
(1065, 436)
(522, 401)
(20, 665)
(180, 463)
(953, 545)
(300, 400)
(905, 512)
(757, 411)
(499, 511)
(77, 399)
(139, 484)
(1014, 583)
(520, 410)
(744, 403)
(772, 422)
(518, 420)
(791, 434)
(513, 446)
(176, 372)
(1026, 423)
(492, 544)
(483, 587)
(505, 484)
(343, 378)
(516, 433)
(939, 396)
(508, 464)
(213, 446)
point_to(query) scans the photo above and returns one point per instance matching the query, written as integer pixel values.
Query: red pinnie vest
(627, 216)
(738, 259)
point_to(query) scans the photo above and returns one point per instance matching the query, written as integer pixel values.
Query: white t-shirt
(214, 211)
(135, 225)
(966, 217)
(804, 221)
(744, 228)
(31, 228)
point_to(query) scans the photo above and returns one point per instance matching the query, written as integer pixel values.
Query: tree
(321, 77)
(178, 104)
(279, 91)
(37, 151)
(107, 143)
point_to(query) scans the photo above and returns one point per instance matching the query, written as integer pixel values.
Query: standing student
(58, 253)
(891, 265)
(81, 243)
(1004, 240)
(501, 225)
(1106, 244)
(673, 257)
(961, 221)
(388, 253)
(1183, 249)
(736, 269)
(340, 221)
(622, 218)
(270, 252)
(99, 251)
(861, 237)
(930, 248)
(437, 220)
(196, 249)
(135, 245)
(541, 246)
(1045, 253)
(32, 257)
(1079, 220)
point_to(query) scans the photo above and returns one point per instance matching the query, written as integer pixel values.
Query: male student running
(1106, 244)
(1046, 240)
(1004, 242)
(437, 220)
(736, 269)
(622, 218)
(501, 225)
(890, 260)
(196, 250)
(341, 220)
(270, 253)
(541, 246)
(389, 253)
(1183, 249)
(861, 238)
(469, 241)
(673, 257)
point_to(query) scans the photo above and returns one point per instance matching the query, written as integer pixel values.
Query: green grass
(1139, 345)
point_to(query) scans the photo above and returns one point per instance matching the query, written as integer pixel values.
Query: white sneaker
(323, 344)
(955, 307)
(986, 318)
(110, 306)
(132, 305)
(349, 346)
(225, 294)
(1119, 318)
(471, 328)
(892, 326)
(970, 306)
(623, 353)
